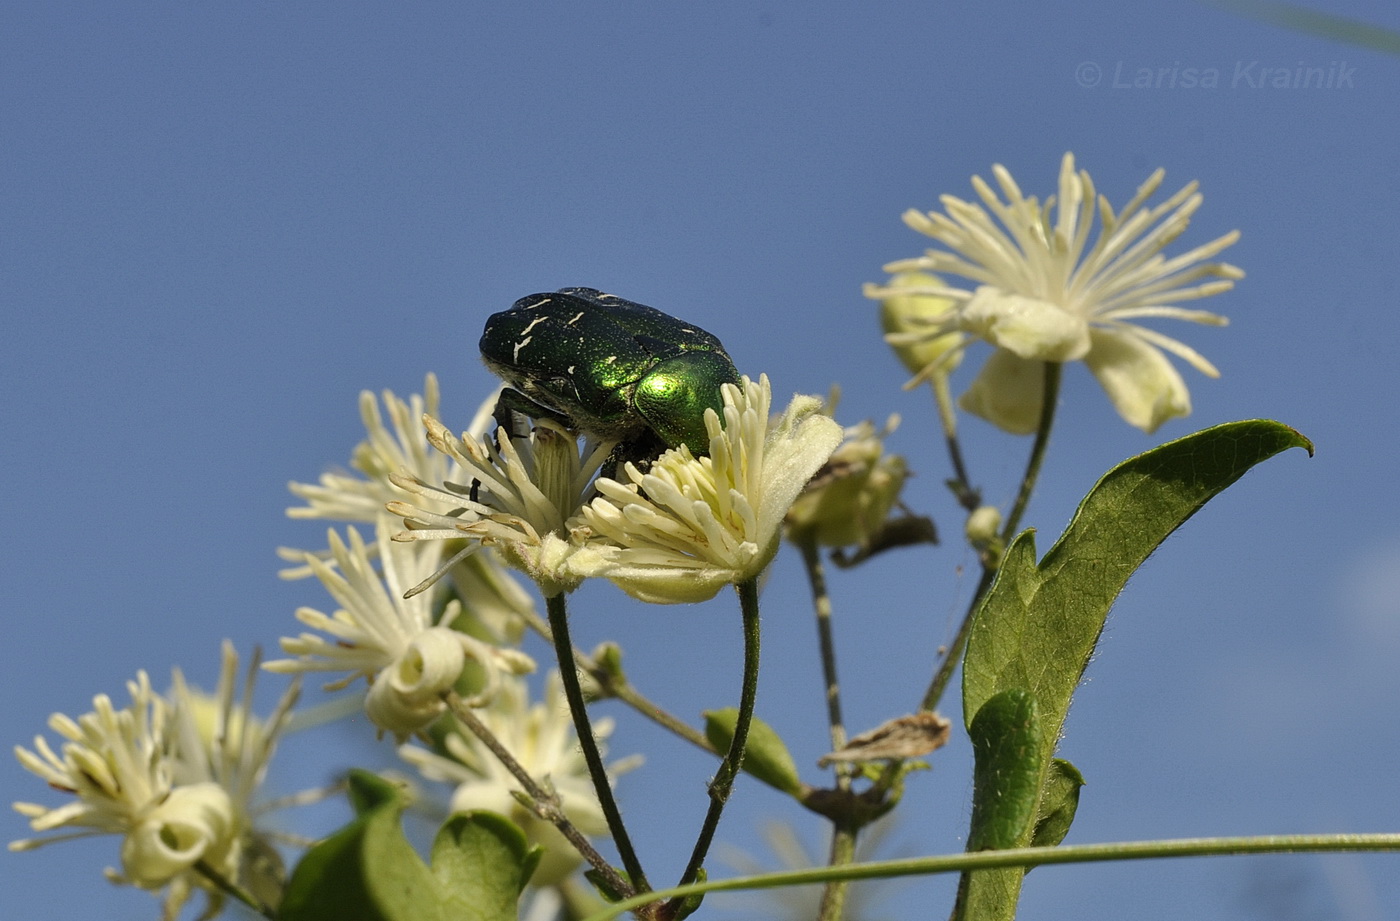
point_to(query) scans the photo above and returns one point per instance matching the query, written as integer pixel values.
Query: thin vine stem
(729, 767)
(948, 664)
(967, 496)
(573, 690)
(843, 854)
(821, 604)
(1026, 857)
(843, 836)
(1050, 397)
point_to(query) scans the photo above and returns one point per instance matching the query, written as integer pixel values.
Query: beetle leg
(514, 410)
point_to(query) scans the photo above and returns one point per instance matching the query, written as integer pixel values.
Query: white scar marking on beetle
(533, 323)
(515, 356)
(578, 316)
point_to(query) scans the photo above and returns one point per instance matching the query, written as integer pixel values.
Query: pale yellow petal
(1008, 392)
(1142, 384)
(1028, 326)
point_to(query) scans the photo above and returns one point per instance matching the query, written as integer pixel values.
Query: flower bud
(849, 499)
(908, 317)
(983, 525)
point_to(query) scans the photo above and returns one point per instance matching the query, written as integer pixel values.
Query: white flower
(542, 739)
(121, 769)
(349, 497)
(905, 312)
(515, 494)
(219, 741)
(409, 659)
(1044, 293)
(494, 600)
(689, 526)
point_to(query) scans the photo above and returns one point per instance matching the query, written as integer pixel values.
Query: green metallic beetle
(608, 366)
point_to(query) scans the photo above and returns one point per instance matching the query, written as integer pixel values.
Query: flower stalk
(723, 783)
(573, 690)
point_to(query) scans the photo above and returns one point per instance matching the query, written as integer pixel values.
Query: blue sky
(221, 224)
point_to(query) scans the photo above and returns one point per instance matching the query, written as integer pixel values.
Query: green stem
(821, 603)
(843, 854)
(1026, 857)
(729, 767)
(229, 887)
(953, 654)
(1050, 398)
(568, 672)
(967, 496)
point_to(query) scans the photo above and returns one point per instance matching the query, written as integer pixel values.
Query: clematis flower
(121, 768)
(409, 658)
(541, 737)
(387, 449)
(395, 444)
(1045, 293)
(515, 494)
(219, 740)
(689, 526)
(904, 313)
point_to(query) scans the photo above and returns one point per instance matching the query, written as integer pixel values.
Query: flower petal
(796, 450)
(1008, 392)
(193, 821)
(1144, 386)
(1028, 326)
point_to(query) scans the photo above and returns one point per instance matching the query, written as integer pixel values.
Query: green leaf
(1059, 800)
(1006, 740)
(765, 757)
(481, 860)
(1006, 777)
(368, 871)
(367, 790)
(1037, 626)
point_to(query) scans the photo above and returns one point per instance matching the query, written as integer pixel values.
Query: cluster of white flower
(407, 621)
(174, 776)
